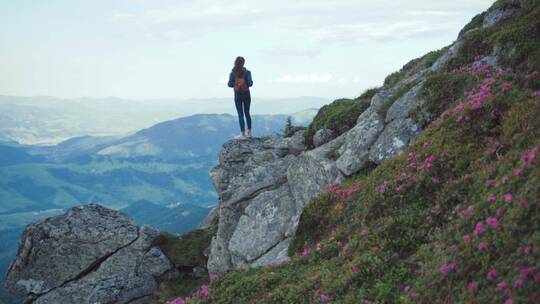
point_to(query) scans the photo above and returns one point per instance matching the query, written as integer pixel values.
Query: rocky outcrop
(264, 184)
(322, 136)
(91, 254)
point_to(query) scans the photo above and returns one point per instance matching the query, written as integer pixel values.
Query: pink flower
(315, 278)
(444, 269)
(324, 297)
(492, 222)
(508, 197)
(502, 286)
(414, 294)
(305, 253)
(518, 283)
(505, 86)
(364, 232)
(176, 301)
(525, 272)
(523, 202)
(269, 295)
(525, 250)
(491, 198)
(500, 212)
(471, 286)
(375, 249)
(490, 183)
(537, 277)
(529, 157)
(467, 238)
(383, 187)
(355, 269)
(492, 274)
(453, 266)
(482, 246)
(479, 229)
(518, 172)
(407, 288)
(509, 301)
(214, 277)
(535, 93)
(505, 179)
(435, 181)
(400, 189)
(203, 292)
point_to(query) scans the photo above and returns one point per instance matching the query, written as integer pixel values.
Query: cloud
(344, 21)
(293, 52)
(304, 78)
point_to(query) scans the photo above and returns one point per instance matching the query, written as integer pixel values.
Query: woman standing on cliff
(240, 80)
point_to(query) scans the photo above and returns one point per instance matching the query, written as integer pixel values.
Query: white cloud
(342, 21)
(293, 52)
(305, 78)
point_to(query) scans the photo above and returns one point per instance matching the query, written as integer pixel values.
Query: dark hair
(239, 66)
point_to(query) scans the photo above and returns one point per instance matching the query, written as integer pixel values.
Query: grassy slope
(454, 219)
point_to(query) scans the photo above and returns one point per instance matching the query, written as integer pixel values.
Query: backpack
(240, 84)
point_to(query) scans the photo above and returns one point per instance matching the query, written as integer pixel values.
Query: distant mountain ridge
(51, 120)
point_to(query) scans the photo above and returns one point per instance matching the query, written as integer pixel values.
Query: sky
(185, 49)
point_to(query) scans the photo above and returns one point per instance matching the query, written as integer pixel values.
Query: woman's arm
(249, 80)
(231, 80)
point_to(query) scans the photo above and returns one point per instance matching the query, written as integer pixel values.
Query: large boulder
(355, 152)
(405, 105)
(66, 258)
(255, 202)
(322, 136)
(498, 15)
(396, 136)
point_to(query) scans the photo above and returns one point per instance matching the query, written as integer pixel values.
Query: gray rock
(452, 52)
(296, 143)
(496, 16)
(122, 289)
(379, 99)
(404, 105)
(322, 136)
(312, 172)
(487, 60)
(260, 197)
(396, 136)
(275, 255)
(246, 170)
(264, 223)
(210, 220)
(63, 259)
(355, 151)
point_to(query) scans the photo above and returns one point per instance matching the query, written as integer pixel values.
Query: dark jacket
(232, 81)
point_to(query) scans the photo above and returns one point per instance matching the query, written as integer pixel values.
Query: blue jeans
(242, 107)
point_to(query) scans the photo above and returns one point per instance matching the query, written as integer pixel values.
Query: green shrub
(438, 93)
(339, 116)
(413, 67)
(290, 129)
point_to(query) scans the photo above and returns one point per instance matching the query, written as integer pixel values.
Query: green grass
(185, 252)
(438, 93)
(339, 116)
(413, 67)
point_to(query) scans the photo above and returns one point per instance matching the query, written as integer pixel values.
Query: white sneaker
(248, 134)
(241, 136)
